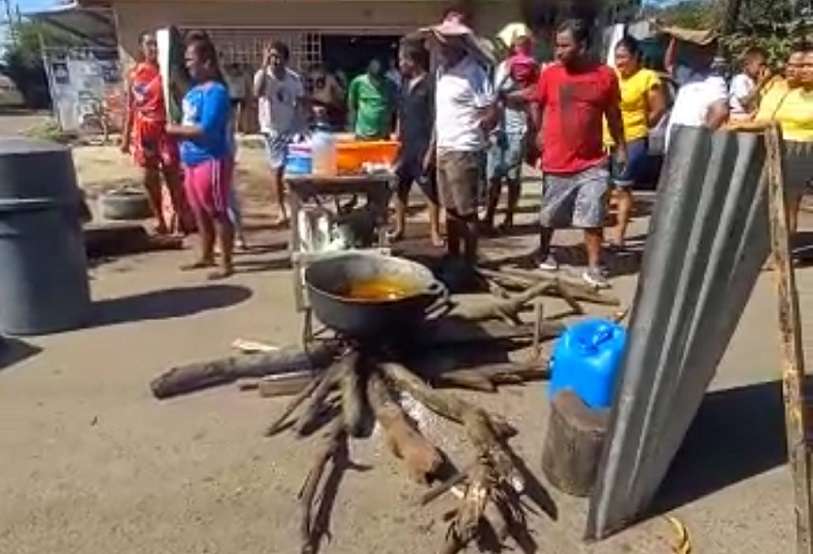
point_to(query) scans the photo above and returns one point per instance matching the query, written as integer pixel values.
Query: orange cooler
(355, 153)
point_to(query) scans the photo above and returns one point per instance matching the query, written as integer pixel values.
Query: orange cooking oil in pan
(381, 288)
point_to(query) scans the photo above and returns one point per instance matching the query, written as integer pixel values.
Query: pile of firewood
(344, 386)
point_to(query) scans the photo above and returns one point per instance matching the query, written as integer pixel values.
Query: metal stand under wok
(316, 190)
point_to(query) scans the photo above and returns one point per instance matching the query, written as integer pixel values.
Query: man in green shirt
(371, 100)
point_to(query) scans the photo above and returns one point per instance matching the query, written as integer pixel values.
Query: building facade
(311, 28)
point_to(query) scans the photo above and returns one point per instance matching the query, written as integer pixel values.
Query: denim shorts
(505, 156)
(635, 168)
(574, 200)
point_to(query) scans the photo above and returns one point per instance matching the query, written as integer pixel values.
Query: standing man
(371, 103)
(281, 95)
(576, 95)
(703, 101)
(416, 119)
(466, 112)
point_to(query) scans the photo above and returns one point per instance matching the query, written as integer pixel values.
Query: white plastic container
(325, 154)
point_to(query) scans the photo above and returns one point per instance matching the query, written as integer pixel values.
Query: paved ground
(92, 464)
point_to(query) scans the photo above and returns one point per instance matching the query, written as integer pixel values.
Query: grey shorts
(798, 169)
(276, 149)
(575, 200)
(458, 180)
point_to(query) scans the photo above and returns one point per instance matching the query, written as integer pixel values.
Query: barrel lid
(23, 145)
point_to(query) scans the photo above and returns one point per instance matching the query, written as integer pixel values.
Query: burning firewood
(482, 431)
(407, 443)
(352, 384)
(466, 524)
(315, 404)
(277, 426)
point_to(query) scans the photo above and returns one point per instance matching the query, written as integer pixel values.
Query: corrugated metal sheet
(708, 239)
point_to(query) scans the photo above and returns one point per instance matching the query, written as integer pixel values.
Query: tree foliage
(22, 59)
(774, 25)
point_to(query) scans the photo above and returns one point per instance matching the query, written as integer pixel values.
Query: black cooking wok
(329, 281)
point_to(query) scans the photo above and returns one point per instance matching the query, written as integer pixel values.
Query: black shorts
(411, 171)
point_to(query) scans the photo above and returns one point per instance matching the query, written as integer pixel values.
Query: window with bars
(245, 46)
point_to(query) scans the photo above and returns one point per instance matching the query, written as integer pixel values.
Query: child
(747, 87)
(206, 154)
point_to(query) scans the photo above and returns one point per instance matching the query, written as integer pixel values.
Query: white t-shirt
(741, 86)
(461, 93)
(279, 102)
(694, 100)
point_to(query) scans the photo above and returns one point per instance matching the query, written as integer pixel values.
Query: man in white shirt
(746, 87)
(281, 102)
(703, 102)
(465, 113)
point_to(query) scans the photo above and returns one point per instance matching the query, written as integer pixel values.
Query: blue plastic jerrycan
(586, 360)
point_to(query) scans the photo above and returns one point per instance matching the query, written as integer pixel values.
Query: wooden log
(192, 377)
(791, 349)
(285, 384)
(507, 373)
(573, 444)
(507, 309)
(577, 289)
(441, 488)
(495, 518)
(452, 330)
(566, 294)
(315, 404)
(466, 524)
(407, 443)
(479, 426)
(277, 425)
(353, 400)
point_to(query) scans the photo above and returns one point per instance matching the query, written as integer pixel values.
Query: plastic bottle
(325, 154)
(586, 359)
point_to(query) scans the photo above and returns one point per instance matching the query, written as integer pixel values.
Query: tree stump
(573, 444)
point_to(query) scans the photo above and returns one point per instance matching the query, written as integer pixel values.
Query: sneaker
(594, 277)
(549, 264)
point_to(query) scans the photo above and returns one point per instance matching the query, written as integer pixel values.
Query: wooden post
(792, 355)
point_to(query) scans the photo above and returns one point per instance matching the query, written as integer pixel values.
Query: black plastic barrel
(43, 269)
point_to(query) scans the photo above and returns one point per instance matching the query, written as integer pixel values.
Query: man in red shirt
(576, 95)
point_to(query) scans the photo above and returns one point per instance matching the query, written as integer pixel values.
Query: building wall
(337, 16)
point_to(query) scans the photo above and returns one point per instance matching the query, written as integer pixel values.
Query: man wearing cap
(464, 100)
(576, 95)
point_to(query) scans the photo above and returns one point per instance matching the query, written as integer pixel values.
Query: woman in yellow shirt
(790, 103)
(795, 116)
(642, 106)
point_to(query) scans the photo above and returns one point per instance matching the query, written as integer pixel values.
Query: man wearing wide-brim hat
(465, 108)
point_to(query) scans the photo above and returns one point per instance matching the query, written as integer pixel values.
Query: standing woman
(145, 135)
(642, 107)
(207, 154)
(795, 116)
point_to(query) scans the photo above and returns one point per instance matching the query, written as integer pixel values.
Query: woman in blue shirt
(207, 154)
